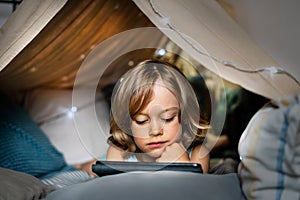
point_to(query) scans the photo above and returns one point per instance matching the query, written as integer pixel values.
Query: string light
(33, 69)
(130, 63)
(74, 109)
(270, 69)
(69, 113)
(82, 56)
(161, 52)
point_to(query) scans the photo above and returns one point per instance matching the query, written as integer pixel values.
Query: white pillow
(166, 185)
(80, 140)
(270, 152)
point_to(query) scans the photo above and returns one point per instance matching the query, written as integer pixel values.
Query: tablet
(103, 168)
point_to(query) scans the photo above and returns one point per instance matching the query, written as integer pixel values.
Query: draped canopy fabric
(211, 36)
(23, 26)
(44, 42)
(49, 53)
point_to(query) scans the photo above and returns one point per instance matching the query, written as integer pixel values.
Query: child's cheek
(140, 131)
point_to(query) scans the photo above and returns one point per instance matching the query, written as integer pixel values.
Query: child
(155, 117)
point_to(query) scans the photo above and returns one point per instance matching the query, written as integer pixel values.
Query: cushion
(20, 186)
(270, 151)
(164, 185)
(80, 136)
(24, 146)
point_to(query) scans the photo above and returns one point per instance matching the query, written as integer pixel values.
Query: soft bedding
(78, 142)
(164, 185)
(32, 168)
(270, 151)
(20, 186)
(24, 147)
(37, 169)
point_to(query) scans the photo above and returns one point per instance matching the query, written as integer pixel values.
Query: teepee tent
(59, 57)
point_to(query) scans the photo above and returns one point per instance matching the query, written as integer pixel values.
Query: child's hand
(174, 153)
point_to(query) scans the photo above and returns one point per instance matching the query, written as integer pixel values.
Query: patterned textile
(67, 178)
(270, 152)
(23, 146)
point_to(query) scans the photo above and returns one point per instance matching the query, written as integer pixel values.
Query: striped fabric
(270, 152)
(67, 178)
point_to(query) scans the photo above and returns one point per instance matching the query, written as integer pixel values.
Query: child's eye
(169, 119)
(141, 122)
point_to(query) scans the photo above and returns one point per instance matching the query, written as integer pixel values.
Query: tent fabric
(44, 42)
(23, 26)
(54, 55)
(274, 25)
(211, 36)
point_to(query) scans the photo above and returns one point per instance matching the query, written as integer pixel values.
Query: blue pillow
(23, 145)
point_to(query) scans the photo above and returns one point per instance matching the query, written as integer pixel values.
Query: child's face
(157, 126)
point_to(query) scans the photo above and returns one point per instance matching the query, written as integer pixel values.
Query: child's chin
(156, 154)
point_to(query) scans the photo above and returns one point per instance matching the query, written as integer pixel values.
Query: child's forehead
(163, 96)
(154, 93)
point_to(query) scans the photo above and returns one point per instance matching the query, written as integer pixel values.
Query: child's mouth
(156, 144)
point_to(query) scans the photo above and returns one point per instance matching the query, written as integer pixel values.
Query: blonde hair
(134, 91)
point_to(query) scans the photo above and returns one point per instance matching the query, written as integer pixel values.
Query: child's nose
(156, 127)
